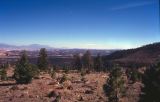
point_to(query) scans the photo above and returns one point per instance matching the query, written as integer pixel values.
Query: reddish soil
(90, 89)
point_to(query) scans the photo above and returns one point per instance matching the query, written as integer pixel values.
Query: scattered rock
(67, 84)
(60, 87)
(21, 96)
(77, 81)
(37, 96)
(89, 92)
(70, 88)
(104, 76)
(31, 96)
(10, 99)
(45, 77)
(53, 94)
(52, 83)
(15, 87)
(23, 88)
(81, 98)
(87, 82)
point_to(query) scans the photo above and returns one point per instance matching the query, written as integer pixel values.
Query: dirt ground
(75, 89)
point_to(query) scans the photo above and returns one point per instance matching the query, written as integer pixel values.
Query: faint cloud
(133, 5)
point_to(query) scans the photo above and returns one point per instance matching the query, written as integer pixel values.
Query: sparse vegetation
(63, 79)
(34, 70)
(79, 51)
(66, 69)
(122, 83)
(53, 73)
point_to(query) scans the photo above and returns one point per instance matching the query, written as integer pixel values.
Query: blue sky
(106, 24)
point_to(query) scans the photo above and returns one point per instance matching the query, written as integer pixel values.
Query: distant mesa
(24, 47)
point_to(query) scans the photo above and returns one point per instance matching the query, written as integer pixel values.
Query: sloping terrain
(147, 54)
(46, 89)
(74, 89)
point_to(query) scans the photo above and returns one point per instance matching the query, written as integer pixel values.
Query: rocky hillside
(89, 88)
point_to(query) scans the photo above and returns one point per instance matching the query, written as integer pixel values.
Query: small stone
(15, 87)
(52, 83)
(53, 94)
(81, 98)
(70, 88)
(31, 96)
(89, 92)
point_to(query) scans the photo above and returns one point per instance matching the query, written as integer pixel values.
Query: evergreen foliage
(3, 74)
(42, 59)
(34, 70)
(133, 74)
(151, 81)
(98, 64)
(115, 85)
(87, 60)
(23, 72)
(77, 62)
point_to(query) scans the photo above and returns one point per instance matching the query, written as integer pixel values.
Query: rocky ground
(75, 89)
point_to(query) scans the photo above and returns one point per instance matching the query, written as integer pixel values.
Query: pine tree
(23, 73)
(98, 65)
(115, 85)
(151, 81)
(87, 60)
(77, 62)
(42, 59)
(133, 74)
(3, 73)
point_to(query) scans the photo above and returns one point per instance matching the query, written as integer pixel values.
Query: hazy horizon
(89, 24)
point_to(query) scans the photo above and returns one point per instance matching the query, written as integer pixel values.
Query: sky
(101, 24)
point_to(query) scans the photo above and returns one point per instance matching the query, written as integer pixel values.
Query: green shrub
(34, 70)
(58, 98)
(83, 73)
(63, 79)
(135, 76)
(52, 73)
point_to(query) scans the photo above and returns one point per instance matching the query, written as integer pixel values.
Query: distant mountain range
(24, 47)
(147, 54)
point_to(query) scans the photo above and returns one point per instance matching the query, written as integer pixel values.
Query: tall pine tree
(98, 64)
(115, 85)
(77, 62)
(42, 59)
(87, 60)
(23, 73)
